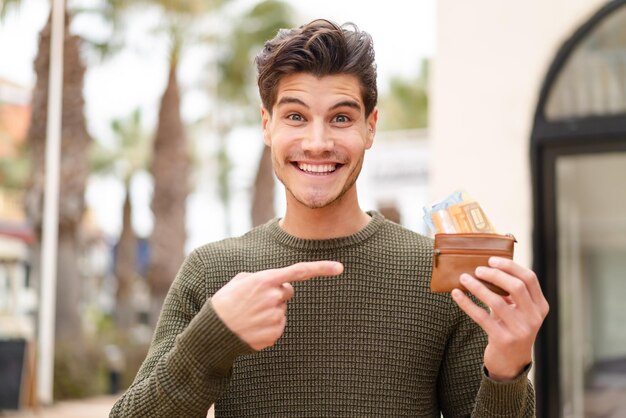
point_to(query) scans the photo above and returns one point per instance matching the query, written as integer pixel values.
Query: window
(578, 154)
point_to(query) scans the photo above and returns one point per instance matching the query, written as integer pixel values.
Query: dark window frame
(549, 141)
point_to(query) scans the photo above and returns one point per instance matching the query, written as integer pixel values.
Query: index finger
(300, 272)
(526, 275)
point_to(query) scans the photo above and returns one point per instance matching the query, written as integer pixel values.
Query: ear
(265, 120)
(372, 119)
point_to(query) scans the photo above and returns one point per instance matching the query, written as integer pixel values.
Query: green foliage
(79, 370)
(107, 13)
(406, 104)
(236, 86)
(6, 5)
(179, 21)
(128, 155)
(190, 7)
(237, 72)
(133, 351)
(14, 170)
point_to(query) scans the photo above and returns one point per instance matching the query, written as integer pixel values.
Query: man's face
(318, 133)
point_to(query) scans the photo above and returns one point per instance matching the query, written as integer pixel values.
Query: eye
(295, 117)
(341, 119)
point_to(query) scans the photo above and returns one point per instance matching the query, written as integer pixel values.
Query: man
(327, 312)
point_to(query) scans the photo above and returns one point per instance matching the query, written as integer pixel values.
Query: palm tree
(262, 208)
(75, 142)
(406, 104)
(128, 157)
(170, 171)
(170, 161)
(237, 86)
(74, 171)
(6, 5)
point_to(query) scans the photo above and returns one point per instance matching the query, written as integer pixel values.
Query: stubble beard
(318, 202)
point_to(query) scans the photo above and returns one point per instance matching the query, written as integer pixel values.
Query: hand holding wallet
(455, 254)
(464, 240)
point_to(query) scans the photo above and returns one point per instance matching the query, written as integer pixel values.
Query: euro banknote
(457, 214)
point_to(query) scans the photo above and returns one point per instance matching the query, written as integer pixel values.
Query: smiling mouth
(318, 169)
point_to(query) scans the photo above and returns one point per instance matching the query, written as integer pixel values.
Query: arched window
(578, 154)
(592, 81)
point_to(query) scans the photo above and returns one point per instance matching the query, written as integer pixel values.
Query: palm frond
(6, 5)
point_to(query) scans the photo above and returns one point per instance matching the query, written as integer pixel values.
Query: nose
(318, 140)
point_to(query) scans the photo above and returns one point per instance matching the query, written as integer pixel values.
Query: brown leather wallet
(454, 254)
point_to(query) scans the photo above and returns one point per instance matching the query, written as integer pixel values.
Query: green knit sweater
(372, 342)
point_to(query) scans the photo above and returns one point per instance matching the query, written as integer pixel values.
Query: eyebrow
(344, 103)
(291, 100)
(347, 103)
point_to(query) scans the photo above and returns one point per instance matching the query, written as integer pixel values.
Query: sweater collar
(283, 238)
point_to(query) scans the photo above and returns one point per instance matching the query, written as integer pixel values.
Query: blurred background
(521, 104)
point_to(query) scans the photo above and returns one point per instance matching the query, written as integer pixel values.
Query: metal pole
(51, 207)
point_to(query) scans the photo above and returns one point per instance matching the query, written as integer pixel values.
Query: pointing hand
(254, 305)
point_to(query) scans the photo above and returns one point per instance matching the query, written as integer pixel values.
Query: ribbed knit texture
(372, 342)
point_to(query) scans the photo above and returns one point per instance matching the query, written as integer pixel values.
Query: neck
(339, 219)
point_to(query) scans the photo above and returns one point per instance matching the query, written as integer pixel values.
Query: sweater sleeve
(509, 399)
(189, 362)
(464, 389)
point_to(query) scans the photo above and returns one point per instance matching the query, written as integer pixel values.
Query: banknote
(456, 214)
(470, 217)
(439, 207)
(443, 222)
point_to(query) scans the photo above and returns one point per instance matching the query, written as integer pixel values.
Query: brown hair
(319, 48)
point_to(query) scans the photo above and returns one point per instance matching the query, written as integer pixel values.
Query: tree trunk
(69, 289)
(170, 167)
(126, 257)
(263, 198)
(74, 171)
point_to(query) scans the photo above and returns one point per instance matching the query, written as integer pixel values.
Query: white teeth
(317, 168)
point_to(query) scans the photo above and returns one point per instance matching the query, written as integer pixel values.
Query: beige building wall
(491, 59)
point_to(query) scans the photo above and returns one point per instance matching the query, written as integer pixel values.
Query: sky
(403, 33)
